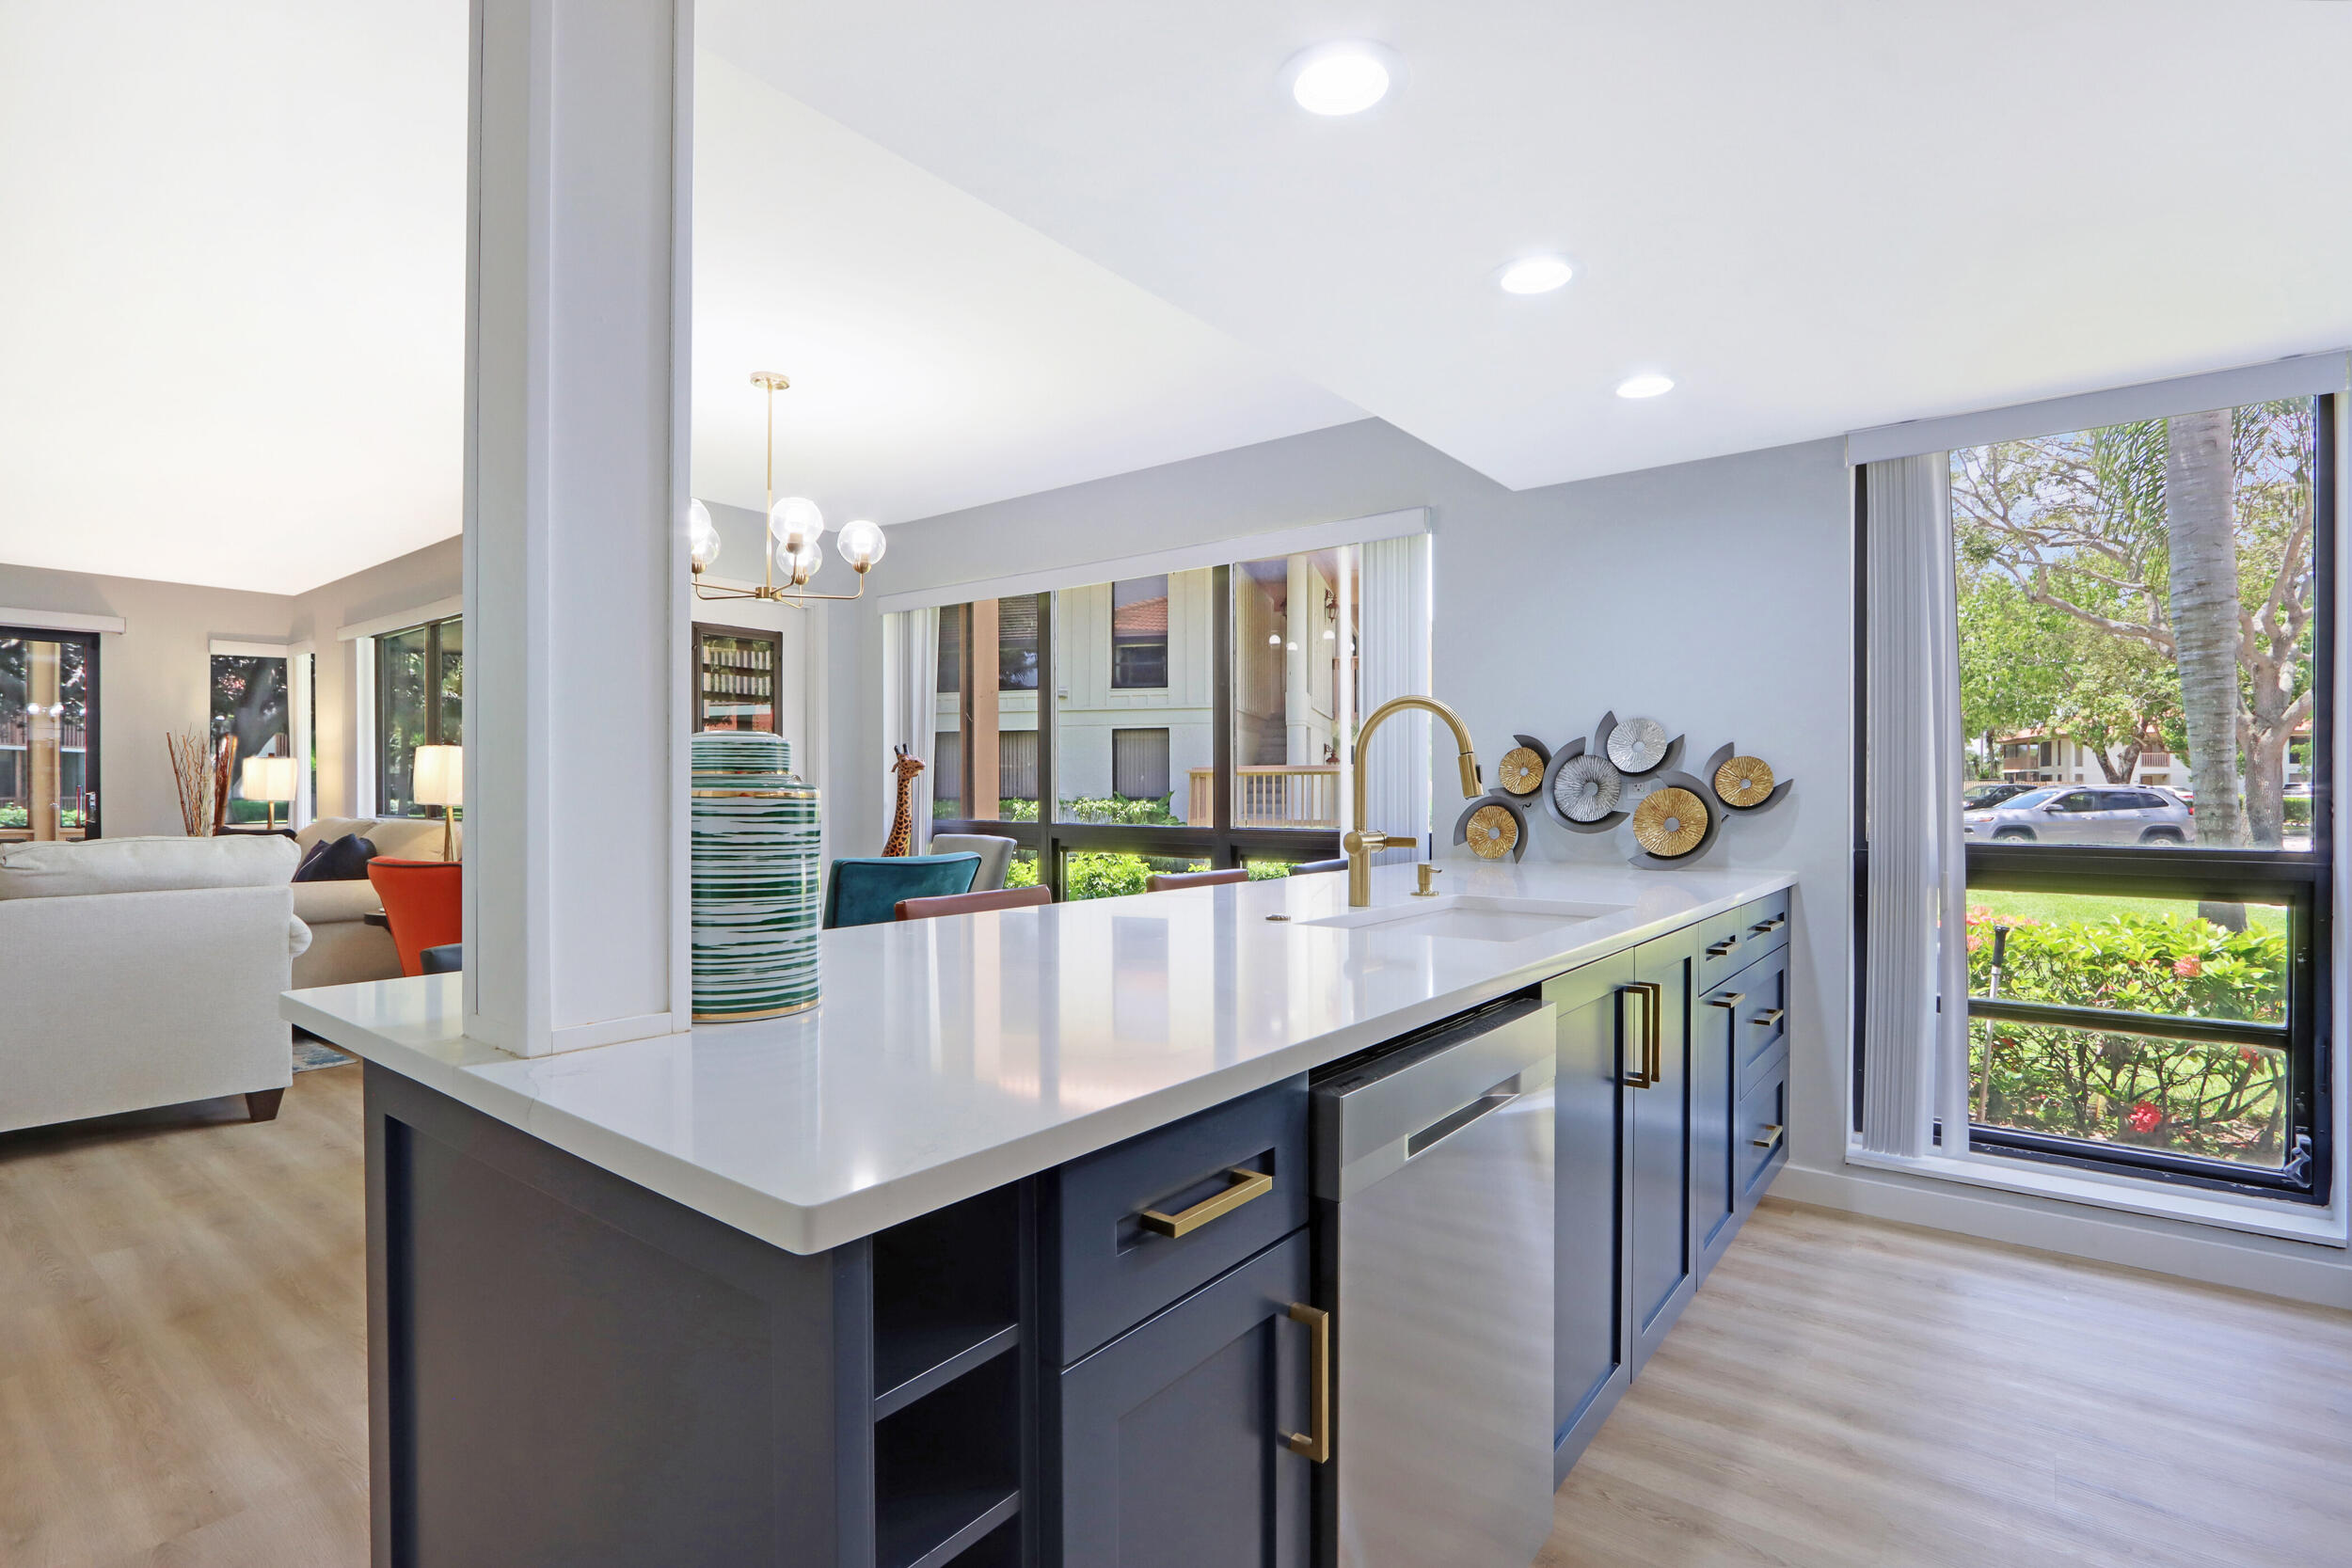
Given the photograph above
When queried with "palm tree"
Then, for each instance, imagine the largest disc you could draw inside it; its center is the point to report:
(2203, 536)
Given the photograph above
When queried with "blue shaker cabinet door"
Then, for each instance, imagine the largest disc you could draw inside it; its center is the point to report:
(1600, 1017)
(1173, 1434)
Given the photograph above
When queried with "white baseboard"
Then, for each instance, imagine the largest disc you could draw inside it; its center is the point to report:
(2295, 1269)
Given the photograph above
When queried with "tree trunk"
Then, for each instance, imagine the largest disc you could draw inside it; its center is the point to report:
(2204, 602)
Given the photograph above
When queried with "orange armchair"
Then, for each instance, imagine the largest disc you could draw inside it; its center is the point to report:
(421, 905)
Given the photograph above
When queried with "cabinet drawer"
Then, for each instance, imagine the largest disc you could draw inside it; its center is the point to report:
(1110, 1211)
(1731, 941)
(1758, 1001)
(1760, 1130)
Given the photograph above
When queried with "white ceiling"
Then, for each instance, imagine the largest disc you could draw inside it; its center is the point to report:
(1815, 216)
(941, 354)
(232, 286)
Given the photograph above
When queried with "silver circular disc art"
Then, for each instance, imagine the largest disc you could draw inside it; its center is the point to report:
(1637, 745)
(1587, 787)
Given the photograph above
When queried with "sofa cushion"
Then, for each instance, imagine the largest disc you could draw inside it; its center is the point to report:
(412, 838)
(342, 859)
(332, 903)
(67, 870)
(325, 829)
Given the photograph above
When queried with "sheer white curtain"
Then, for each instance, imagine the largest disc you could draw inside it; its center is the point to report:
(1393, 662)
(911, 681)
(1918, 868)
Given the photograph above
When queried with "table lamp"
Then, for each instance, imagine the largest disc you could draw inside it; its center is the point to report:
(439, 779)
(269, 779)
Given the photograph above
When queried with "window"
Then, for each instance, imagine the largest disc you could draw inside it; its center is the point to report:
(1139, 634)
(1139, 764)
(2145, 621)
(1166, 730)
(48, 734)
(419, 700)
(250, 703)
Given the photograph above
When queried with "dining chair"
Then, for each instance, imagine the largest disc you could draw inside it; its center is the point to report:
(1161, 882)
(864, 889)
(995, 855)
(974, 903)
(423, 905)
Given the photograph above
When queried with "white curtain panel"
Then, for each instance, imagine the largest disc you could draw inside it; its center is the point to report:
(1913, 1054)
(911, 678)
(1393, 662)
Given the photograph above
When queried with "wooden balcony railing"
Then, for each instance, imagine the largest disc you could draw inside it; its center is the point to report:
(1305, 795)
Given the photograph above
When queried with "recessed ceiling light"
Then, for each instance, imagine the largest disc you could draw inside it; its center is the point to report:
(1644, 386)
(1339, 78)
(1536, 275)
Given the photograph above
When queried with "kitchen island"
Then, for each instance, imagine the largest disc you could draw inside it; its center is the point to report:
(867, 1285)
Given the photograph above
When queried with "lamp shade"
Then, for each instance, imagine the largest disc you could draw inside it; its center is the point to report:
(268, 779)
(438, 778)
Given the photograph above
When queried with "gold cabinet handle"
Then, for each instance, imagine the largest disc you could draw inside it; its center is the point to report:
(1770, 1017)
(1773, 925)
(1719, 949)
(1774, 1133)
(1728, 999)
(1248, 1186)
(1639, 1076)
(1653, 998)
(1315, 1442)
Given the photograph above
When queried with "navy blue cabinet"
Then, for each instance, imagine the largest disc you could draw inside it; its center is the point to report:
(1657, 1134)
(1599, 1014)
(1174, 1436)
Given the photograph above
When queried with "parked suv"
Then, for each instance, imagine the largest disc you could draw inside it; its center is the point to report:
(2077, 814)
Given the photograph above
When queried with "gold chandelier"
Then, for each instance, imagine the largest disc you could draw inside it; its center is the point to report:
(794, 527)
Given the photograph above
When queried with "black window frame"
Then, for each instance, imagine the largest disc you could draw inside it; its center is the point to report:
(431, 713)
(2301, 880)
(1219, 842)
(94, 709)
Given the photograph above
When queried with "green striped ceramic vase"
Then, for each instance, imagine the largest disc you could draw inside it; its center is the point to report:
(758, 878)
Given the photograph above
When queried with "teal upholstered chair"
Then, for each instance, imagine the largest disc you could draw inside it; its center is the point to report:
(866, 891)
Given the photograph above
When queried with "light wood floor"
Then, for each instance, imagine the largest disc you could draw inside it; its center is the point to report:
(183, 1382)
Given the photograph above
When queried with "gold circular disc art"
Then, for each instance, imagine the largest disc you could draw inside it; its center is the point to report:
(1522, 770)
(1668, 822)
(1743, 782)
(1493, 833)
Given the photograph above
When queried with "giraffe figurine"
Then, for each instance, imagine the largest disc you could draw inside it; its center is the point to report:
(902, 825)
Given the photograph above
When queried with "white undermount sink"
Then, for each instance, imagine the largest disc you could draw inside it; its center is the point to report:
(1466, 917)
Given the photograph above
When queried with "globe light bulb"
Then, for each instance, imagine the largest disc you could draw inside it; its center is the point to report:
(702, 535)
(794, 521)
(799, 565)
(861, 544)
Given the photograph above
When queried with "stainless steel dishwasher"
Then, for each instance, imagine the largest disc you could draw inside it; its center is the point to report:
(1435, 1160)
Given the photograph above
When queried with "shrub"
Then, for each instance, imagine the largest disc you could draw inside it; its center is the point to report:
(1021, 871)
(2219, 1099)
(1085, 874)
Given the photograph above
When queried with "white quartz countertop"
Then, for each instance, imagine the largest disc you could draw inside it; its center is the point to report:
(950, 1057)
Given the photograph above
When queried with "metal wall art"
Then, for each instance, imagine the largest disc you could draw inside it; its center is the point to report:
(1624, 779)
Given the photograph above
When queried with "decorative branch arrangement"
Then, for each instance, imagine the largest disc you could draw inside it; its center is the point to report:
(1627, 774)
(191, 753)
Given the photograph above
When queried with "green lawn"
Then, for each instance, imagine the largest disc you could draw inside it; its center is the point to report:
(2047, 907)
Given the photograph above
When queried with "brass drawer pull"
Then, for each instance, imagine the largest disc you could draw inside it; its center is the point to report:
(1315, 1442)
(1728, 999)
(1248, 1185)
(1773, 925)
(1719, 949)
(1770, 1018)
(1774, 1133)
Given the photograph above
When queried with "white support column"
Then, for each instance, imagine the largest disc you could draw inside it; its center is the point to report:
(576, 583)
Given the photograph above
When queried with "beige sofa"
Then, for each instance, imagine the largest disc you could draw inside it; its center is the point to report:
(344, 948)
(144, 971)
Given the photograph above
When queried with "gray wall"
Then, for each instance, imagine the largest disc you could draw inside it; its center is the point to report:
(155, 676)
(1713, 595)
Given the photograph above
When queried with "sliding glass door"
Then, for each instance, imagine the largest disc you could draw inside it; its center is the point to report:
(1167, 722)
(48, 734)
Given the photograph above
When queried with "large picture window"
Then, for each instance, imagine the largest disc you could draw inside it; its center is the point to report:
(419, 700)
(2145, 624)
(250, 703)
(1171, 723)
